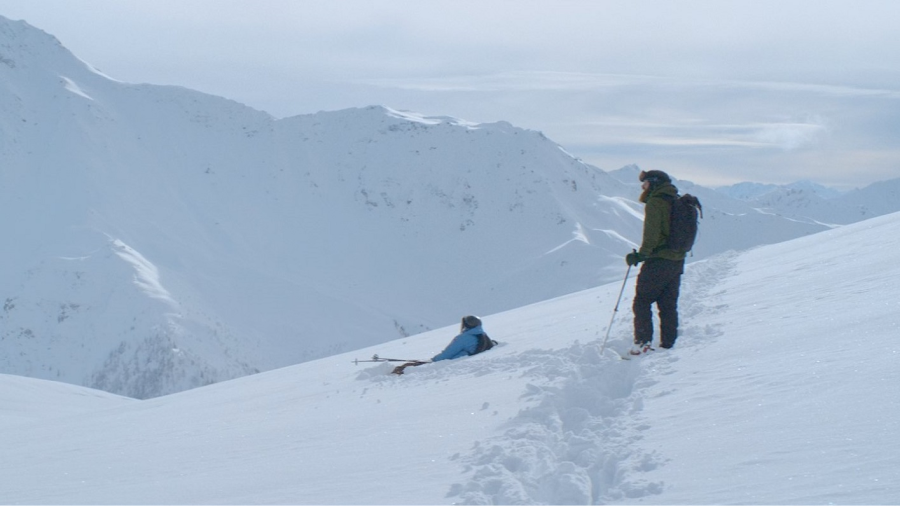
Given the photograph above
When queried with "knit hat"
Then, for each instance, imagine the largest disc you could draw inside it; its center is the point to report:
(654, 177)
(469, 322)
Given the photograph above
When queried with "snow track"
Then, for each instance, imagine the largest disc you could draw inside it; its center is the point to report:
(568, 447)
(575, 445)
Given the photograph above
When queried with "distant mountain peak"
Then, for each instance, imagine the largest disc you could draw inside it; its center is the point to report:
(20, 41)
(24, 47)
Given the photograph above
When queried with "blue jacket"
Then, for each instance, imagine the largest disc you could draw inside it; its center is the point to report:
(462, 345)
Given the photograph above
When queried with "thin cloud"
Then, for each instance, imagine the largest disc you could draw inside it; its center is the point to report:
(786, 136)
(513, 81)
(789, 136)
(581, 81)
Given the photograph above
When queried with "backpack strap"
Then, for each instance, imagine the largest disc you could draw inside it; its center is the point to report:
(694, 201)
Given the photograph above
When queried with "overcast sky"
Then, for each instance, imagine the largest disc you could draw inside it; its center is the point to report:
(711, 91)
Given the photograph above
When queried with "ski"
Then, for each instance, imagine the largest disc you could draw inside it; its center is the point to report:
(400, 368)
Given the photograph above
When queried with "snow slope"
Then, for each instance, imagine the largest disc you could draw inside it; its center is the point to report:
(25, 400)
(780, 390)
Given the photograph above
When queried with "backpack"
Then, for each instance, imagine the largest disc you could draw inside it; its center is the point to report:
(484, 343)
(683, 222)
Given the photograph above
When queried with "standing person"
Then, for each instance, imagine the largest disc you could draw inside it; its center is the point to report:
(660, 278)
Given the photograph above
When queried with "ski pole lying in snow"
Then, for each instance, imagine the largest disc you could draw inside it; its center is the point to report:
(615, 310)
(376, 358)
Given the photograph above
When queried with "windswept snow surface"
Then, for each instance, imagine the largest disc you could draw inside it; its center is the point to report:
(782, 389)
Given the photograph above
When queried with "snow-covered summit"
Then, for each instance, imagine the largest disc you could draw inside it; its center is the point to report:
(23, 45)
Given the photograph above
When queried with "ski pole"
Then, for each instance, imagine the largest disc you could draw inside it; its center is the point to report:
(615, 310)
(376, 358)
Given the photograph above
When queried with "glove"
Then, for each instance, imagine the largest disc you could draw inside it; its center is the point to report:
(634, 258)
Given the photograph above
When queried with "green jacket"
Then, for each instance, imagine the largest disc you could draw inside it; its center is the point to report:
(656, 223)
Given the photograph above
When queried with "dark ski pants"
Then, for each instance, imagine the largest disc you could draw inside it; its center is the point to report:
(658, 282)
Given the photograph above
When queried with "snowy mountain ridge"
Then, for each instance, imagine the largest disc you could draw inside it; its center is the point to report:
(751, 191)
(165, 239)
(813, 203)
